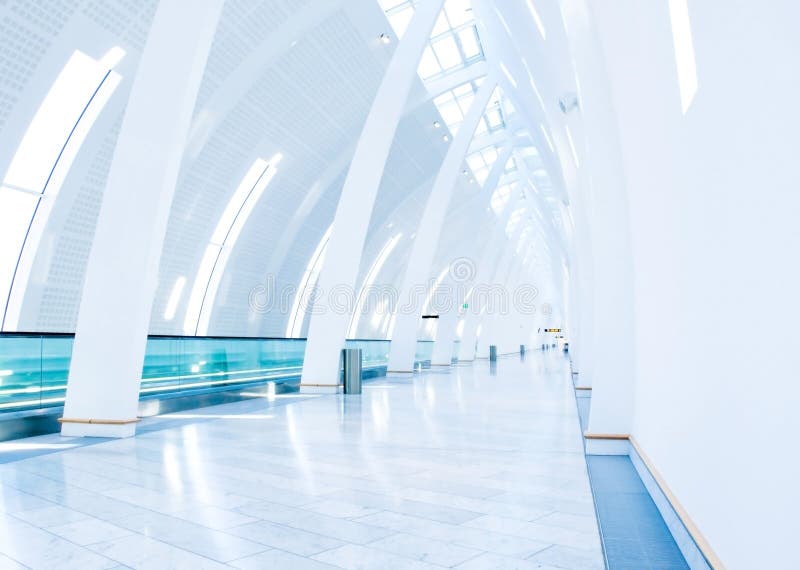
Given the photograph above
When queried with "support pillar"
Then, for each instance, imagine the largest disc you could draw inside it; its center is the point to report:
(404, 337)
(122, 270)
(328, 326)
(486, 268)
(446, 333)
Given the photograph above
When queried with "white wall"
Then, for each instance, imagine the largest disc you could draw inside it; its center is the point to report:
(713, 206)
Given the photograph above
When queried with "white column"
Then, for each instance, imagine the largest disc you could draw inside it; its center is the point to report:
(516, 328)
(501, 277)
(507, 328)
(446, 331)
(418, 269)
(486, 268)
(328, 326)
(122, 269)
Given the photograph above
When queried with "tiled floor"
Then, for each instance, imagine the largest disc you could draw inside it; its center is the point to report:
(475, 467)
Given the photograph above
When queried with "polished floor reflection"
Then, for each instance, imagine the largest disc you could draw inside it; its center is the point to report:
(472, 467)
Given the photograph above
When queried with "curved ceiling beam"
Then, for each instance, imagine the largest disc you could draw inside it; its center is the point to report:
(484, 272)
(122, 269)
(404, 336)
(501, 276)
(328, 327)
(446, 329)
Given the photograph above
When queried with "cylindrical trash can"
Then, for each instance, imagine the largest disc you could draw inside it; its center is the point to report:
(351, 358)
(522, 349)
(492, 352)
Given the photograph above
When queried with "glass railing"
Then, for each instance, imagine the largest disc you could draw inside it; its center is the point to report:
(184, 363)
(34, 367)
(374, 353)
(424, 351)
(33, 370)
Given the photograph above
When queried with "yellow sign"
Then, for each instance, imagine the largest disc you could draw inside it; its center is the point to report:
(552, 330)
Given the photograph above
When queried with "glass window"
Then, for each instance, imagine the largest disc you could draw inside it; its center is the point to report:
(454, 41)
(40, 165)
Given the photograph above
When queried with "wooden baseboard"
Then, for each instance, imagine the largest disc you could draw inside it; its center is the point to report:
(616, 436)
(95, 421)
(687, 521)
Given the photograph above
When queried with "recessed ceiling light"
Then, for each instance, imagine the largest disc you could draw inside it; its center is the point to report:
(464, 172)
(436, 124)
(445, 138)
(385, 38)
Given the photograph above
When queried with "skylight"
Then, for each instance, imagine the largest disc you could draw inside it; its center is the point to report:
(511, 165)
(374, 271)
(229, 226)
(304, 294)
(481, 161)
(547, 138)
(174, 298)
(684, 51)
(500, 198)
(524, 238)
(572, 148)
(454, 42)
(536, 18)
(41, 164)
(514, 220)
(494, 118)
(454, 104)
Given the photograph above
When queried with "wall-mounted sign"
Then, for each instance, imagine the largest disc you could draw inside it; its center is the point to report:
(552, 330)
(430, 316)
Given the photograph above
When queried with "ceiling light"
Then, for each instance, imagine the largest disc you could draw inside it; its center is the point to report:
(464, 172)
(568, 102)
(445, 138)
(436, 124)
(385, 38)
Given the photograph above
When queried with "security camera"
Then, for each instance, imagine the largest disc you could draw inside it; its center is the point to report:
(568, 102)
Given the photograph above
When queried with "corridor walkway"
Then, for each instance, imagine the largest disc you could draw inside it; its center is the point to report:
(475, 467)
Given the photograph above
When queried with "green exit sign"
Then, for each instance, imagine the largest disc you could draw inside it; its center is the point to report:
(465, 306)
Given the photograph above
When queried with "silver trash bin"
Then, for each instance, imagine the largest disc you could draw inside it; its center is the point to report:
(351, 359)
(492, 352)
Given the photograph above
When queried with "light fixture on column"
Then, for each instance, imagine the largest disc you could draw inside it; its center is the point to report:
(568, 102)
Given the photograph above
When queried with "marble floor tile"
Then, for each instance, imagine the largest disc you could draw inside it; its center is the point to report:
(145, 553)
(286, 538)
(54, 515)
(454, 468)
(89, 531)
(354, 557)
(489, 561)
(279, 559)
(425, 549)
(568, 558)
(213, 544)
(37, 548)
